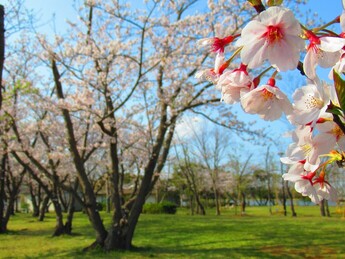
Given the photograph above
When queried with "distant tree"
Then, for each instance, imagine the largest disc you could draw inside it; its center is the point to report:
(210, 147)
(259, 187)
(192, 177)
(242, 179)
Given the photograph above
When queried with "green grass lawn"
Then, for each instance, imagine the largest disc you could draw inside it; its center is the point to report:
(255, 235)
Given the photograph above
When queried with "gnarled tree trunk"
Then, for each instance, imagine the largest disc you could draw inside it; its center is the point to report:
(43, 208)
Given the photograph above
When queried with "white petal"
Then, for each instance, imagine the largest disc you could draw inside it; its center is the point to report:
(309, 64)
(329, 59)
(331, 44)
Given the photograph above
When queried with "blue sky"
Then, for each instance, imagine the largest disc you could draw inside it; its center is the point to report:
(328, 9)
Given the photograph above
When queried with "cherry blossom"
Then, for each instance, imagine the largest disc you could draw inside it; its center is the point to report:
(303, 181)
(323, 189)
(310, 103)
(213, 74)
(235, 83)
(216, 44)
(273, 36)
(339, 67)
(323, 51)
(304, 148)
(267, 101)
(317, 112)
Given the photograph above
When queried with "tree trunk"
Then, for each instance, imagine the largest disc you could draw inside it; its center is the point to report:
(294, 214)
(89, 195)
(9, 211)
(200, 206)
(118, 235)
(35, 203)
(216, 196)
(43, 208)
(322, 208)
(59, 226)
(283, 193)
(13, 185)
(3, 224)
(191, 204)
(243, 204)
(70, 213)
(327, 209)
(71, 209)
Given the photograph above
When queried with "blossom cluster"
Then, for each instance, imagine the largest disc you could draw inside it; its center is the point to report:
(275, 41)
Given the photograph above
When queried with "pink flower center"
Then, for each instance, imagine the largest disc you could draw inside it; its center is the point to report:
(273, 34)
(309, 177)
(321, 180)
(220, 43)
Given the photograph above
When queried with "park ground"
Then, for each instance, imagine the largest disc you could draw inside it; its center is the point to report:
(254, 235)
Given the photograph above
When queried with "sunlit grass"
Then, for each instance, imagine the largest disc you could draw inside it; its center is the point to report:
(255, 235)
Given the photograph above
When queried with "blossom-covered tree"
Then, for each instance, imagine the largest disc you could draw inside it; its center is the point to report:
(132, 71)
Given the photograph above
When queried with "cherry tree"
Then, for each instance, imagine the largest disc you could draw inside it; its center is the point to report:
(132, 71)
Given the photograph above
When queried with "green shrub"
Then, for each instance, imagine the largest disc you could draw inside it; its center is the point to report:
(165, 207)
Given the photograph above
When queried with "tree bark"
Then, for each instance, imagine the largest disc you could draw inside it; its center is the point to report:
(13, 185)
(70, 213)
(191, 204)
(327, 209)
(199, 205)
(292, 206)
(89, 195)
(216, 198)
(35, 202)
(3, 224)
(243, 204)
(43, 208)
(71, 210)
(59, 226)
(322, 208)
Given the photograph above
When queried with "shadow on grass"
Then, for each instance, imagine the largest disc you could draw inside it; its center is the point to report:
(163, 252)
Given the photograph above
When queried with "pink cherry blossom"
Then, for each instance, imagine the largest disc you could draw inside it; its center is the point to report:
(235, 83)
(216, 44)
(310, 103)
(303, 149)
(329, 135)
(323, 51)
(273, 36)
(323, 189)
(303, 181)
(267, 101)
(213, 74)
